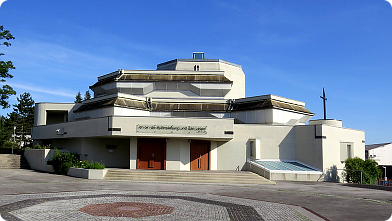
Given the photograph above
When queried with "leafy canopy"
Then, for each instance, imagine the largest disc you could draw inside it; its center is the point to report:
(5, 66)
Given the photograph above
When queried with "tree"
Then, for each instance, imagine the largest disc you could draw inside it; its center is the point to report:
(369, 168)
(5, 66)
(24, 111)
(87, 95)
(78, 98)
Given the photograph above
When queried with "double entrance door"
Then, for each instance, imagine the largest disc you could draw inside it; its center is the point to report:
(152, 154)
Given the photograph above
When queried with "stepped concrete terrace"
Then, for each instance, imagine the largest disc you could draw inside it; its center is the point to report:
(233, 177)
(13, 161)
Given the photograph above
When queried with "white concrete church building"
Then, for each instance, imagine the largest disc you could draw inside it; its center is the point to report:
(192, 114)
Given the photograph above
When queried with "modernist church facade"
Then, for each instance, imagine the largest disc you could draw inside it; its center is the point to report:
(192, 114)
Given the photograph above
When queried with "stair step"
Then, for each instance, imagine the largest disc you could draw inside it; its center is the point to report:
(187, 176)
(181, 175)
(181, 172)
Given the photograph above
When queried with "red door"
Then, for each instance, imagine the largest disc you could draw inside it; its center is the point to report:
(151, 154)
(200, 155)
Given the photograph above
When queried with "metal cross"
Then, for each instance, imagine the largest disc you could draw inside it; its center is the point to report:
(325, 104)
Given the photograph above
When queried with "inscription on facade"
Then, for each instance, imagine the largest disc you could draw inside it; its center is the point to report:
(170, 129)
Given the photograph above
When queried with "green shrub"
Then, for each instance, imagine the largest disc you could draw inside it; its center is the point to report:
(61, 162)
(63, 168)
(95, 165)
(369, 168)
(90, 165)
(41, 147)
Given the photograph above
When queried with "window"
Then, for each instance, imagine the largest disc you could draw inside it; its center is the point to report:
(348, 149)
(55, 117)
(196, 68)
(251, 148)
(198, 55)
(345, 151)
(254, 148)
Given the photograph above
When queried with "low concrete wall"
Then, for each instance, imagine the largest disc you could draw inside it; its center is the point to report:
(38, 158)
(283, 175)
(258, 170)
(296, 176)
(97, 174)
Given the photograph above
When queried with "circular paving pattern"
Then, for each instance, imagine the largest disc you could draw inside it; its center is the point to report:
(126, 209)
(126, 205)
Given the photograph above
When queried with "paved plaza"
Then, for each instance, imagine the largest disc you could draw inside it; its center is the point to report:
(31, 195)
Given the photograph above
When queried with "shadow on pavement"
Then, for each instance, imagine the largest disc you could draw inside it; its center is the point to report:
(387, 188)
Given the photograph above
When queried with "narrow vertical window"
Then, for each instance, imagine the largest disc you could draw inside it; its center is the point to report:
(251, 148)
(348, 151)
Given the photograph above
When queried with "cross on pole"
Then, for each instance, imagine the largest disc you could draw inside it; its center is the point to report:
(325, 104)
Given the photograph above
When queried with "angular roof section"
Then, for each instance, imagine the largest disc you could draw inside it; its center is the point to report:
(155, 106)
(270, 101)
(199, 78)
(195, 106)
(172, 76)
(373, 146)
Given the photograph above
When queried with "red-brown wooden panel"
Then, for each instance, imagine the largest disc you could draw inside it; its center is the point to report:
(151, 154)
(200, 155)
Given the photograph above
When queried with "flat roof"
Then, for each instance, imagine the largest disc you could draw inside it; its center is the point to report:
(198, 60)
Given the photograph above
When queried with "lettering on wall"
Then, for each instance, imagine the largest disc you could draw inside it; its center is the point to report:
(170, 129)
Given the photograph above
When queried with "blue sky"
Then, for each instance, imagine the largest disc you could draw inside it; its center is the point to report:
(287, 48)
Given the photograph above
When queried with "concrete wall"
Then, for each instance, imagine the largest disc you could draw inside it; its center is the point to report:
(271, 116)
(94, 149)
(73, 145)
(295, 176)
(95, 174)
(231, 71)
(203, 65)
(276, 142)
(41, 108)
(177, 154)
(101, 112)
(254, 116)
(334, 136)
(83, 128)
(308, 147)
(235, 74)
(120, 111)
(127, 128)
(38, 159)
(215, 127)
(383, 155)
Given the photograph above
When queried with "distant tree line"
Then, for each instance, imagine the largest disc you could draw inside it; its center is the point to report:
(79, 99)
(15, 128)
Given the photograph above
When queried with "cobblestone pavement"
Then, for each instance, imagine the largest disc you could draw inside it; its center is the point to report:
(31, 195)
(187, 206)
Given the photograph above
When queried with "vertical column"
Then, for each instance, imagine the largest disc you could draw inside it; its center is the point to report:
(132, 152)
(185, 160)
(214, 156)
